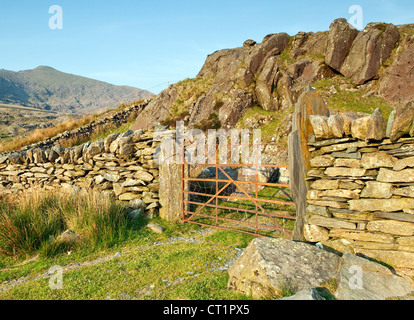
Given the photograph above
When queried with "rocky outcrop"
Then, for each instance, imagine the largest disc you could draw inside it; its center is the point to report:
(273, 73)
(340, 38)
(369, 50)
(269, 267)
(397, 84)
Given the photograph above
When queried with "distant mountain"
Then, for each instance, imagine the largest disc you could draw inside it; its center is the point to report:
(49, 89)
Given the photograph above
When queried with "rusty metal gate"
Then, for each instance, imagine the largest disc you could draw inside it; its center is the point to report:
(217, 195)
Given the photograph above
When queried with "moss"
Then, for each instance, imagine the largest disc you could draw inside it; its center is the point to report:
(189, 91)
(345, 100)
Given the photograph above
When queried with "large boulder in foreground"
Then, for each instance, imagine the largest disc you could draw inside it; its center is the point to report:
(269, 266)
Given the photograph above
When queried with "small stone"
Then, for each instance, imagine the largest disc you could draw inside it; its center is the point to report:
(404, 192)
(378, 160)
(386, 175)
(392, 227)
(388, 205)
(325, 184)
(322, 211)
(404, 163)
(377, 190)
(349, 163)
(347, 155)
(330, 223)
(359, 128)
(129, 196)
(345, 172)
(322, 161)
(321, 127)
(156, 228)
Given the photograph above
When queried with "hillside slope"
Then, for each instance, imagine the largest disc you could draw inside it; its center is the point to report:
(49, 89)
(243, 87)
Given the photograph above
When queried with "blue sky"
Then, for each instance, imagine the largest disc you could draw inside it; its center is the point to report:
(147, 44)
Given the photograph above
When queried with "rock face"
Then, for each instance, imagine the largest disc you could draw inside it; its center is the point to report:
(269, 266)
(340, 39)
(369, 50)
(397, 84)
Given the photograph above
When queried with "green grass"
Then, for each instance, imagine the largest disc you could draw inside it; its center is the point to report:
(151, 266)
(148, 268)
(176, 271)
(32, 223)
(355, 101)
(272, 129)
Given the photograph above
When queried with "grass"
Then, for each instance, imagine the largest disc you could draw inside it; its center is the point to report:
(354, 101)
(39, 135)
(269, 130)
(150, 265)
(32, 222)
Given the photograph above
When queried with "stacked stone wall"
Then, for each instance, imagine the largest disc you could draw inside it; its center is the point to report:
(361, 195)
(121, 165)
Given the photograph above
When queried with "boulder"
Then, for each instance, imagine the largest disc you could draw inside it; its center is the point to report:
(340, 38)
(361, 279)
(402, 124)
(269, 265)
(369, 50)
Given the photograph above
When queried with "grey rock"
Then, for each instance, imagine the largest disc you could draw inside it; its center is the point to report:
(361, 279)
(269, 264)
(304, 295)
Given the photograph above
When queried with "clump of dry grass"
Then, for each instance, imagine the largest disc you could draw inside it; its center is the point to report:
(32, 222)
(43, 134)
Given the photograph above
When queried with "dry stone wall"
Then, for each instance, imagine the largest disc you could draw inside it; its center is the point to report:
(361, 195)
(121, 165)
(116, 119)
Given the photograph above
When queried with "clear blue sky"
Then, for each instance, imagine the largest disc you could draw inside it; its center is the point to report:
(148, 43)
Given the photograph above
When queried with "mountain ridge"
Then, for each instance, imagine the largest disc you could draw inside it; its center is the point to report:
(47, 88)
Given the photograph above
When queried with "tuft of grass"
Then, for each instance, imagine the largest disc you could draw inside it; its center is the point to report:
(232, 238)
(32, 222)
(189, 91)
(287, 288)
